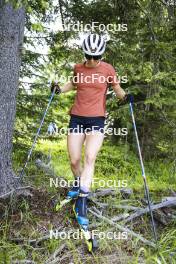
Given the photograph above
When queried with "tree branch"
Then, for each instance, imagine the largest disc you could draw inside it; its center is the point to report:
(123, 229)
(153, 207)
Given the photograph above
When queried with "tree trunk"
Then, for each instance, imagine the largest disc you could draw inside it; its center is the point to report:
(11, 38)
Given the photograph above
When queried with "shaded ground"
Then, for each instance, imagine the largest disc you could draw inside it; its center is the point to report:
(25, 231)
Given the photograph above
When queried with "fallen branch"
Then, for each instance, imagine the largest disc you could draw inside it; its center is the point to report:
(36, 242)
(119, 217)
(59, 259)
(29, 241)
(123, 229)
(6, 195)
(24, 190)
(25, 261)
(161, 217)
(118, 206)
(55, 254)
(153, 207)
(103, 192)
(96, 210)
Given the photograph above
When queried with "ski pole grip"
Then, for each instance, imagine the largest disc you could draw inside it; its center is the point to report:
(55, 88)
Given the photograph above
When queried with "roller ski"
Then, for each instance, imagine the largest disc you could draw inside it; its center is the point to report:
(80, 211)
(72, 194)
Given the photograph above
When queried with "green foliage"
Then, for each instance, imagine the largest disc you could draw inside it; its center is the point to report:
(114, 162)
(146, 55)
(10, 252)
(143, 53)
(166, 251)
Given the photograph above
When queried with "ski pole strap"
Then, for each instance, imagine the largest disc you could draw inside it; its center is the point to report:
(83, 194)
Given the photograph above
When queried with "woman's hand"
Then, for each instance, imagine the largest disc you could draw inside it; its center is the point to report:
(66, 88)
(128, 98)
(120, 93)
(55, 87)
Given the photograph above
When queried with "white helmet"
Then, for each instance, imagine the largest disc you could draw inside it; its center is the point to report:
(94, 45)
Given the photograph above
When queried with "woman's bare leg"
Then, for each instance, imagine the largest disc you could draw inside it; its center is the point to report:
(92, 146)
(74, 145)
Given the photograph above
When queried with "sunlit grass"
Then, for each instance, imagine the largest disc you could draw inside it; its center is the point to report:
(112, 163)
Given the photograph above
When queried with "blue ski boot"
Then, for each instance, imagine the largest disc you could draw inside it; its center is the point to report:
(80, 209)
(74, 192)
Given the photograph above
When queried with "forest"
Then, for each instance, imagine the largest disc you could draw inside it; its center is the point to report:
(40, 42)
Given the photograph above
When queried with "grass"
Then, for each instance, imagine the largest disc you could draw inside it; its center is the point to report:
(114, 162)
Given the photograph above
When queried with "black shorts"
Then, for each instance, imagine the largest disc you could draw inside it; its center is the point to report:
(84, 124)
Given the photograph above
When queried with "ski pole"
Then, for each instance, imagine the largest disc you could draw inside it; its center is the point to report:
(143, 169)
(36, 136)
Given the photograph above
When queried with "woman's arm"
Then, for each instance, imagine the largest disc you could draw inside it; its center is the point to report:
(67, 87)
(119, 91)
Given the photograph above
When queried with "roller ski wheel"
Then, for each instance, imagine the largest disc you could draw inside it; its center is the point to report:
(80, 211)
(92, 243)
